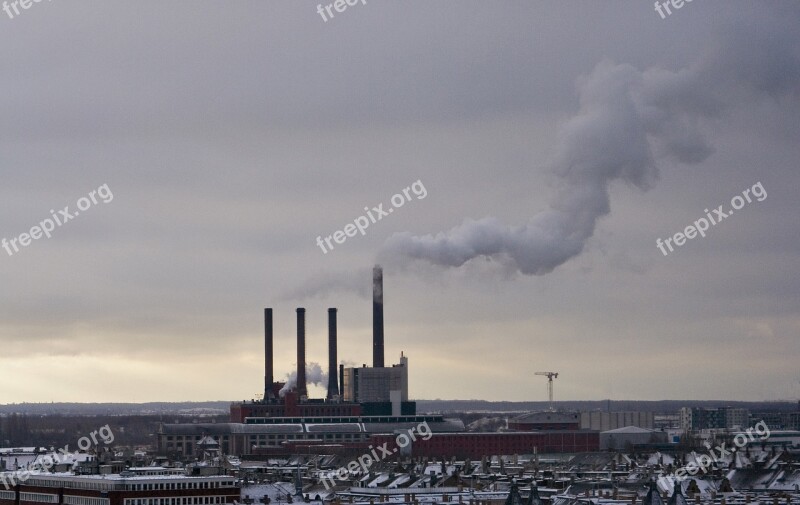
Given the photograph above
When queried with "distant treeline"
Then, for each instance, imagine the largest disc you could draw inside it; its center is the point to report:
(658, 406)
(58, 430)
(212, 408)
(93, 409)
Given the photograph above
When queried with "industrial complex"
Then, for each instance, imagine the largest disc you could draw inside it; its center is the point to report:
(363, 407)
(357, 444)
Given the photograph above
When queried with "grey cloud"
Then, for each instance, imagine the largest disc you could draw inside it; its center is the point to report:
(625, 116)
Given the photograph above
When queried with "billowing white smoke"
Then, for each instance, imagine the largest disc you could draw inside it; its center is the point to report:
(314, 375)
(627, 119)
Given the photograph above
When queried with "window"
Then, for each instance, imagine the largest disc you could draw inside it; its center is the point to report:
(42, 498)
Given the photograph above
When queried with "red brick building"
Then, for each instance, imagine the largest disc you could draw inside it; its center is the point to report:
(290, 407)
(477, 445)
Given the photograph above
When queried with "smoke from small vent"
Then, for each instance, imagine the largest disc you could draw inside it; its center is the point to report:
(314, 375)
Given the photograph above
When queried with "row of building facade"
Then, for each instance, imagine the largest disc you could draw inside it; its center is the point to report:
(729, 418)
(140, 486)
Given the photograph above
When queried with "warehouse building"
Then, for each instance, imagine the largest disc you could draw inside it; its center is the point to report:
(624, 439)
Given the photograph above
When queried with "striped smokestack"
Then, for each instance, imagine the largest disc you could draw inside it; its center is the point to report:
(333, 385)
(301, 352)
(377, 317)
(268, 371)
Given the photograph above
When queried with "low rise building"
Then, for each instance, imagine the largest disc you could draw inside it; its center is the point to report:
(545, 421)
(604, 421)
(275, 435)
(624, 439)
(719, 418)
(147, 486)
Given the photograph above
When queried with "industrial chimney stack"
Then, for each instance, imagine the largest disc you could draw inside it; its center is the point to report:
(333, 385)
(301, 352)
(377, 317)
(268, 371)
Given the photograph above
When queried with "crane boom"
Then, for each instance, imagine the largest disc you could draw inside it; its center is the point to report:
(550, 376)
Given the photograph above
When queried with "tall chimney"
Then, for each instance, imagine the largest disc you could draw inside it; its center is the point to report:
(301, 352)
(268, 371)
(341, 379)
(377, 317)
(333, 385)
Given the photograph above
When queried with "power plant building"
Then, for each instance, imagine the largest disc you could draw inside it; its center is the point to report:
(377, 384)
(363, 405)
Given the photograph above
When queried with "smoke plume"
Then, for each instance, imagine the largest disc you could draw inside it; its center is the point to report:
(322, 284)
(627, 119)
(314, 375)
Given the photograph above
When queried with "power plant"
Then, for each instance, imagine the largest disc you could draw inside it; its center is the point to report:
(363, 407)
(371, 391)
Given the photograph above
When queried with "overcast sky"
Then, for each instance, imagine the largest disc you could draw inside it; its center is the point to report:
(556, 141)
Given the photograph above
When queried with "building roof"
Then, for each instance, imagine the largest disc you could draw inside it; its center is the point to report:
(334, 428)
(677, 497)
(653, 497)
(514, 498)
(533, 498)
(217, 429)
(629, 430)
(118, 479)
(547, 417)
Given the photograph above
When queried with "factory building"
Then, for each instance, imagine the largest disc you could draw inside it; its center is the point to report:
(376, 384)
(363, 406)
(359, 401)
(624, 439)
(545, 421)
(597, 421)
(604, 421)
(281, 436)
(292, 407)
(140, 486)
(352, 392)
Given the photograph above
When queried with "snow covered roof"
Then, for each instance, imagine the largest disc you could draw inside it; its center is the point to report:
(630, 429)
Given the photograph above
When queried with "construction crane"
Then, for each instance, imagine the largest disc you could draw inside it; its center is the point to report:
(550, 376)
